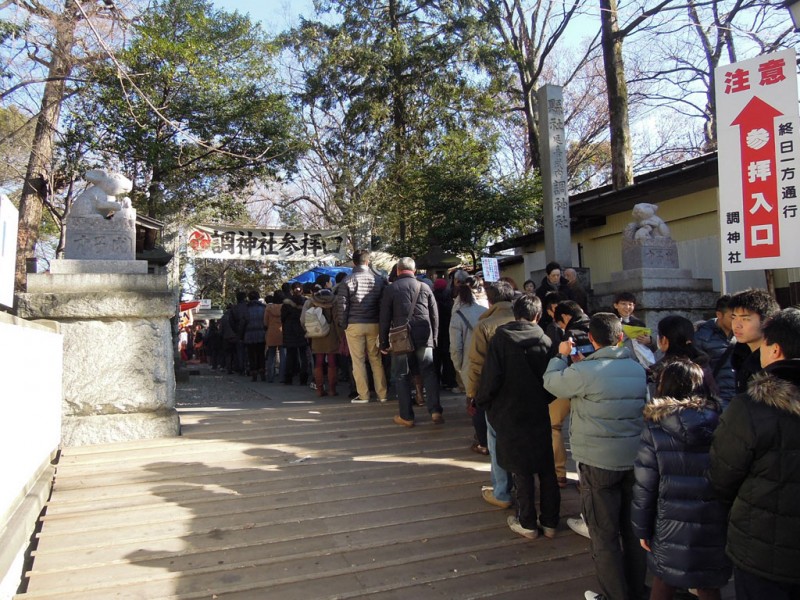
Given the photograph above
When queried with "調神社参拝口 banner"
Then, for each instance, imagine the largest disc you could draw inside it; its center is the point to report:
(267, 244)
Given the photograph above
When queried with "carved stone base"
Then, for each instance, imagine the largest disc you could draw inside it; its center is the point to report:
(96, 238)
(118, 375)
(653, 253)
(105, 429)
(660, 292)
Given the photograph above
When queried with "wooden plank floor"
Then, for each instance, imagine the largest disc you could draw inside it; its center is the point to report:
(273, 493)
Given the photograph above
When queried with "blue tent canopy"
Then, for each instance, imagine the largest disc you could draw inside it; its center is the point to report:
(311, 275)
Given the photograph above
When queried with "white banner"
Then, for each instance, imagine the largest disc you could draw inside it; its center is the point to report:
(268, 244)
(759, 163)
(491, 269)
(9, 217)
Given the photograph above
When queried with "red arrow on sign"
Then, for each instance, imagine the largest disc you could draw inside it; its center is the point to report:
(759, 183)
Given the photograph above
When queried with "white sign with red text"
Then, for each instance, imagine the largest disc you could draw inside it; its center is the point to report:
(759, 162)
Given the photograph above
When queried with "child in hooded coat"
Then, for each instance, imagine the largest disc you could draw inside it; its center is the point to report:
(675, 512)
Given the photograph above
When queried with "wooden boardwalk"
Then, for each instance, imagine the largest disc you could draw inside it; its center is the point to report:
(273, 493)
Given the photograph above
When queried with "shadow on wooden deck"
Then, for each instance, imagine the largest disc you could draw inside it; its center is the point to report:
(274, 493)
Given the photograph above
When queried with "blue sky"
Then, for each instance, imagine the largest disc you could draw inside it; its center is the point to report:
(275, 15)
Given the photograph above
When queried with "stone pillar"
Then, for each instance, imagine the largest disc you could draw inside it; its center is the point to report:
(119, 381)
(553, 151)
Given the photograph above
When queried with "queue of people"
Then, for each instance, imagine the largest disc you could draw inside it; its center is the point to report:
(685, 438)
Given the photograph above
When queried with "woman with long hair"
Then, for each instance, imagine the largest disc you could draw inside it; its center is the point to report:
(469, 304)
(676, 340)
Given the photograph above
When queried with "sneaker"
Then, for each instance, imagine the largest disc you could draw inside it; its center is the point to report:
(549, 532)
(352, 395)
(438, 419)
(579, 526)
(516, 527)
(358, 400)
(590, 595)
(398, 420)
(478, 449)
(488, 495)
(383, 400)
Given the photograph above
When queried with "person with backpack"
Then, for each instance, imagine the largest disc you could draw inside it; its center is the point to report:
(320, 328)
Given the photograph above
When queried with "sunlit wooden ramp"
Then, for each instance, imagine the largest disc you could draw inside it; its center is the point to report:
(272, 493)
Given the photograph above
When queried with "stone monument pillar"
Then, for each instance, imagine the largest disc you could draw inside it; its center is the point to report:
(118, 381)
(651, 272)
(553, 151)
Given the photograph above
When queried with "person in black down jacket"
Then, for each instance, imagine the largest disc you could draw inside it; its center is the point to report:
(755, 467)
(254, 335)
(294, 336)
(715, 338)
(675, 513)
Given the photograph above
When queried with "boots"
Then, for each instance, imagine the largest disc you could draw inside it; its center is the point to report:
(319, 379)
(332, 378)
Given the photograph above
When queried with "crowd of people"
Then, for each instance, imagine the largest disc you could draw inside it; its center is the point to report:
(686, 439)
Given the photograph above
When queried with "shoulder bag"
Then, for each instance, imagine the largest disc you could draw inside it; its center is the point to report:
(400, 341)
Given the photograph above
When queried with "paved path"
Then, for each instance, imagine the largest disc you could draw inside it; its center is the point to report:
(274, 493)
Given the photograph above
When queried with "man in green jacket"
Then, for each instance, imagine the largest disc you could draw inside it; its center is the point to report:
(607, 391)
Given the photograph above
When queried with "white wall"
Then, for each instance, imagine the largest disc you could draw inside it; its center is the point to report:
(31, 361)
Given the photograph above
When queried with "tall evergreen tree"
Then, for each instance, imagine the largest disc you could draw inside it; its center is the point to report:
(192, 111)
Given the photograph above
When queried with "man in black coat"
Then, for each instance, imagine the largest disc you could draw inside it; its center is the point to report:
(513, 395)
(755, 467)
(408, 301)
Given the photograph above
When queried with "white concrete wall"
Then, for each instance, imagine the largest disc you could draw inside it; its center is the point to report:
(30, 431)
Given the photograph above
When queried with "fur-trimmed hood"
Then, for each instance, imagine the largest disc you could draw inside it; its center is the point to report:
(291, 302)
(323, 299)
(778, 386)
(691, 420)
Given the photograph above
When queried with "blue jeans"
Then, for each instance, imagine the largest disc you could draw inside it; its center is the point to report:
(402, 364)
(501, 479)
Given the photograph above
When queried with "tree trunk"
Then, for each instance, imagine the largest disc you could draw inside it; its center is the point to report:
(36, 186)
(399, 120)
(532, 125)
(617, 90)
